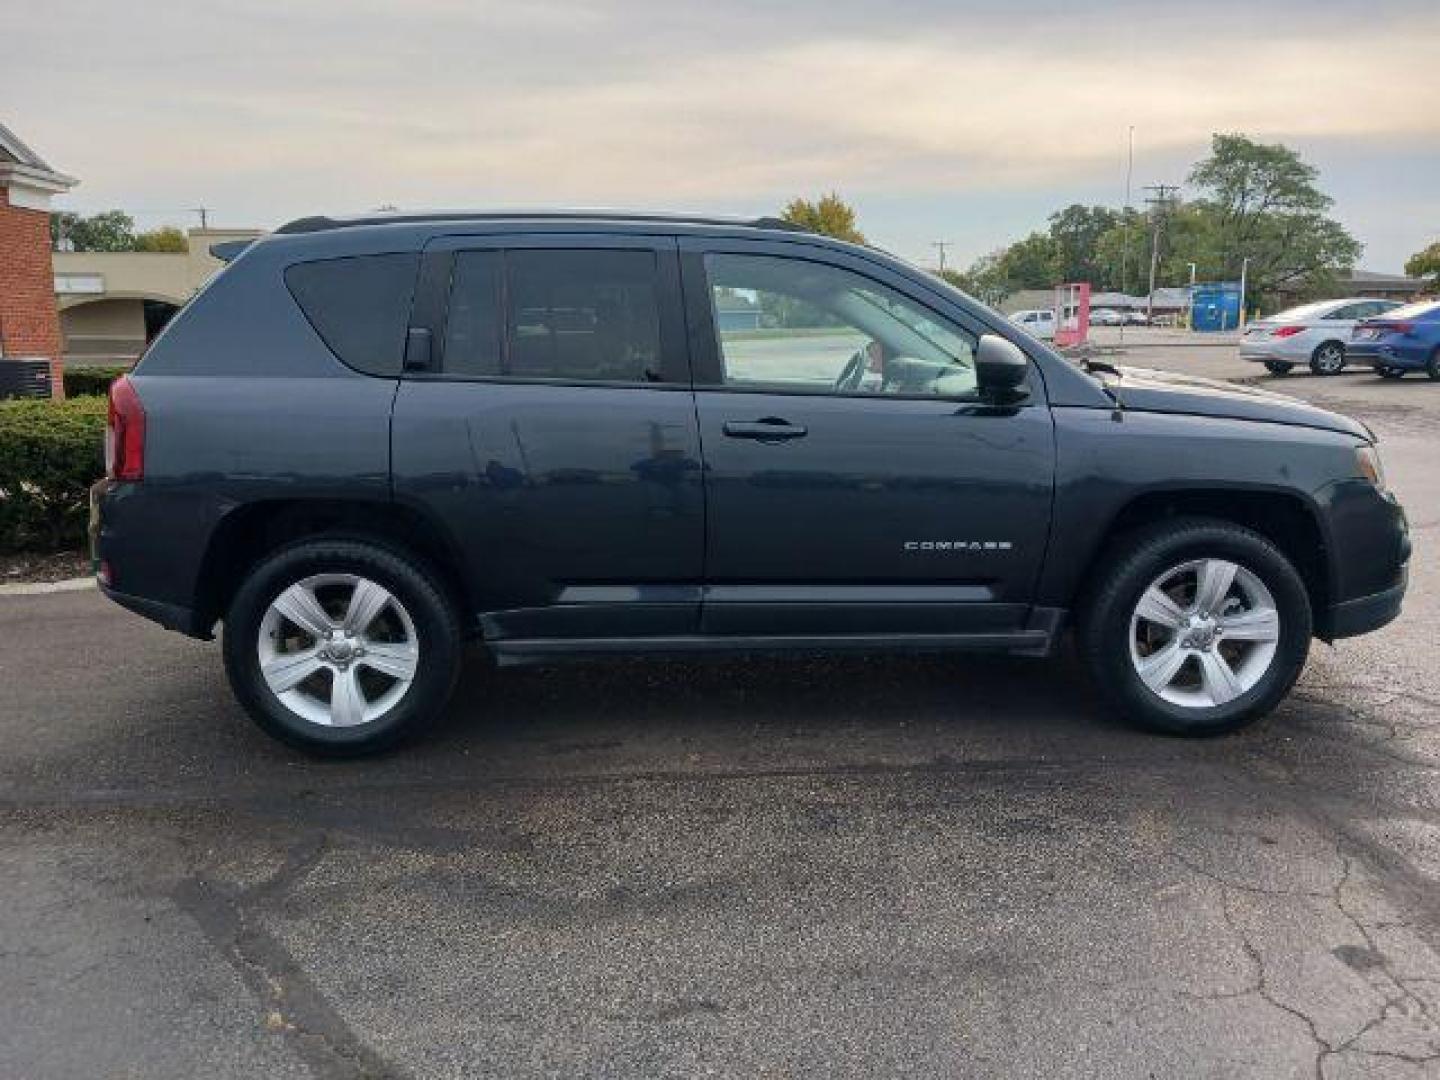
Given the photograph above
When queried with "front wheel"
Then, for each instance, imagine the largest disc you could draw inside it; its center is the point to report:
(1328, 358)
(341, 647)
(1386, 372)
(1198, 627)
(1276, 367)
(1432, 366)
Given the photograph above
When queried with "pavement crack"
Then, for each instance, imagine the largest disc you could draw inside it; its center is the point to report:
(290, 1002)
(1261, 986)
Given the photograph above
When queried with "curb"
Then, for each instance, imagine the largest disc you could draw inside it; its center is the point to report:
(45, 588)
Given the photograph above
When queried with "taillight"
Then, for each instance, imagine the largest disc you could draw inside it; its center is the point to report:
(125, 433)
(1286, 331)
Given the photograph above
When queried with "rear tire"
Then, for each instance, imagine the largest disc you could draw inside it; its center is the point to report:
(1328, 358)
(1432, 366)
(341, 647)
(1276, 367)
(1234, 673)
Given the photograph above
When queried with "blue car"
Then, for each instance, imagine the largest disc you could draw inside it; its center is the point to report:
(1405, 339)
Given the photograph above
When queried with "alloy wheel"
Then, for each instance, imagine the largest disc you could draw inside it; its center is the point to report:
(1329, 359)
(1204, 633)
(338, 650)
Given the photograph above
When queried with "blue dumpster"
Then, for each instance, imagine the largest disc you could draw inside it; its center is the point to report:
(1215, 307)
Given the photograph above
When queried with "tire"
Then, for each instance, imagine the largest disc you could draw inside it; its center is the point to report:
(1432, 366)
(1390, 372)
(1328, 358)
(1278, 367)
(1111, 628)
(400, 665)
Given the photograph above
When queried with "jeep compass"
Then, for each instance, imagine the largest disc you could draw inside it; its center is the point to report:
(370, 441)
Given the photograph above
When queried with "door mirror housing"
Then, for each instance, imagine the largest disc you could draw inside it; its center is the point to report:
(1000, 369)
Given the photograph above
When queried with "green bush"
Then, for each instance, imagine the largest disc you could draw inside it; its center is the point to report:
(83, 381)
(50, 454)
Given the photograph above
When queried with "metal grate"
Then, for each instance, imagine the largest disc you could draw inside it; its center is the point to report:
(24, 378)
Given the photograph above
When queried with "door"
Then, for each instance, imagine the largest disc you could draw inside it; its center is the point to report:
(854, 480)
(550, 431)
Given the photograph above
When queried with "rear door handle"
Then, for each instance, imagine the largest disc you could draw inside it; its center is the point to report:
(768, 429)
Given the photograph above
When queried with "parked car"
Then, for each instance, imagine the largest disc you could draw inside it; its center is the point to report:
(1403, 339)
(1313, 334)
(370, 441)
(1105, 317)
(1136, 318)
(1039, 323)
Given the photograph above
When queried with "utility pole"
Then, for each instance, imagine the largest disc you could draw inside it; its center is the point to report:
(204, 212)
(1160, 203)
(941, 245)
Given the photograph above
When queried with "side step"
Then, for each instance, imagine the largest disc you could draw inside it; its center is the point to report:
(516, 651)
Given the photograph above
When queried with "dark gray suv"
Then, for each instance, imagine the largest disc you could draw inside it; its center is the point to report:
(371, 440)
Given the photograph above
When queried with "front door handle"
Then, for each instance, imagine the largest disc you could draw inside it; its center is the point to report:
(768, 429)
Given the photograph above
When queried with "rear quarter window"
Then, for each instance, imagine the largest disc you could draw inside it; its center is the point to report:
(359, 305)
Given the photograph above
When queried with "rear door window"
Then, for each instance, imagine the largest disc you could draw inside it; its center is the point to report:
(360, 306)
(584, 315)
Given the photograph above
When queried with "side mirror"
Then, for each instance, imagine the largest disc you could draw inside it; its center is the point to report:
(1000, 368)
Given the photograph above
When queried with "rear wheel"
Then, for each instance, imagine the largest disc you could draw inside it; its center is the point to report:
(1328, 358)
(341, 647)
(1197, 627)
(1432, 366)
(1277, 367)
(1386, 372)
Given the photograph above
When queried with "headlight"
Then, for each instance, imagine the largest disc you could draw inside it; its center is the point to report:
(1367, 458)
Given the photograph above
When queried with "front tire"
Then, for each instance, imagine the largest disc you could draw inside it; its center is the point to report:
(1277, 367)
(1432, 366)
(1386, 372)
(1196, 627)
(341, 647)
(1328, 358)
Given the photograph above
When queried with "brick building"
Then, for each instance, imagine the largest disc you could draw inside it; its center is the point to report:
(29, 322)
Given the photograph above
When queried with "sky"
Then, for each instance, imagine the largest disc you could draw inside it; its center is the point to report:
(939, 120)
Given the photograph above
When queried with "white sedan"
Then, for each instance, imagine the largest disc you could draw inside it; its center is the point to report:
(1313, 334)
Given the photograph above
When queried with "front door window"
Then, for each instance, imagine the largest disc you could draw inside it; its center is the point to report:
(789, 325)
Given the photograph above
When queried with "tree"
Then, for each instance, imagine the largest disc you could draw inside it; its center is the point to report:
(167, 238)
(1426, 264)
(109, 230)
(829, 215)
(1074, 232)
(984, 280)
(1261, 204)
(1032, 263)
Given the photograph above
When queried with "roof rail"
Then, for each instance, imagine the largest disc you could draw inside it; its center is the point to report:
(324, 223)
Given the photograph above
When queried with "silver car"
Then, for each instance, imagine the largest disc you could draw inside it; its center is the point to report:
(1313, 334)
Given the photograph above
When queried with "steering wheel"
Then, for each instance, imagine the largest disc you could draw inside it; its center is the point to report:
(854, 370)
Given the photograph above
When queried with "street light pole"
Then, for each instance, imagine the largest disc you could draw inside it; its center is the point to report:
(1190, 301)
(1244, 269)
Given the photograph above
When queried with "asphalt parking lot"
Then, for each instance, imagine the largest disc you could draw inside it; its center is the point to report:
(868, 866)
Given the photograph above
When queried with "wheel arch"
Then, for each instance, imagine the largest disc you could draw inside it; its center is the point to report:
(1284, 518)
(248, 533)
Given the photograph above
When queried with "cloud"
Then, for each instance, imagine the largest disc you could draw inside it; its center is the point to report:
(305, 106)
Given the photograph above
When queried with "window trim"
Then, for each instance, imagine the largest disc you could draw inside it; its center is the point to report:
(438, 276)
(705, 350)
